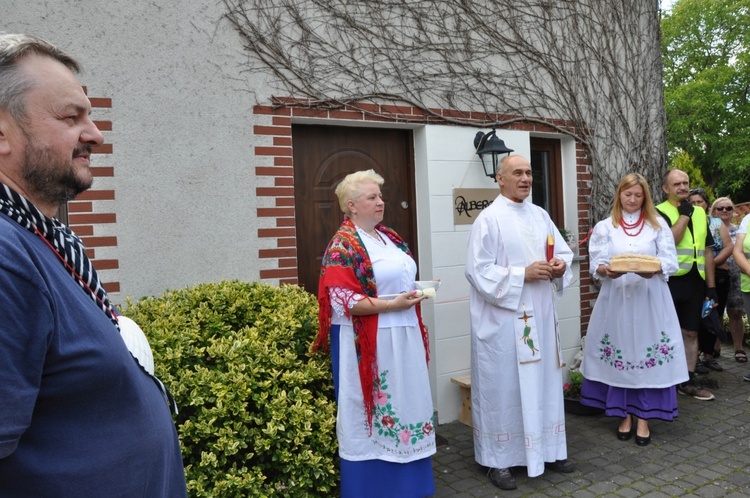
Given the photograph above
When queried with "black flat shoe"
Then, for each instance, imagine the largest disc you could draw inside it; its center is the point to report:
(625, 436)
(565, 466)
(642, 441)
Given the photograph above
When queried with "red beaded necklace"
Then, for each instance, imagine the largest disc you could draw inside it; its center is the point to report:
(627, 226)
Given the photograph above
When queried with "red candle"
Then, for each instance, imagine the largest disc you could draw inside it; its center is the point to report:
(550, 247)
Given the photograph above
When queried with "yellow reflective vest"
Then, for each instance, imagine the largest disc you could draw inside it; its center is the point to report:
(692, 248)
(745, 278)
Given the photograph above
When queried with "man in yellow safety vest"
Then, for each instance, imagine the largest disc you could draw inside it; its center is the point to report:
(694, 281)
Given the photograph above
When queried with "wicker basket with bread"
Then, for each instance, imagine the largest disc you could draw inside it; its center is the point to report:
(636, 263)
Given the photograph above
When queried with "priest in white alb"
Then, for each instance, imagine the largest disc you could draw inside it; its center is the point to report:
(516, 262)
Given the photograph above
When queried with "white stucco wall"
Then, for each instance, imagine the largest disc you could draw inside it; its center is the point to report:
(181, 113)
(445, 159)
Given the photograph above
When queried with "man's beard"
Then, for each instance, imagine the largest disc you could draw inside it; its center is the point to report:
(51, 179)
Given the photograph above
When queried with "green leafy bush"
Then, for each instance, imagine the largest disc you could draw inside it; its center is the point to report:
(256, 412)
(572, 388)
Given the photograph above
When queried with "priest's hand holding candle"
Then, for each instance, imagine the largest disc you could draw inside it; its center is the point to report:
(558, 265)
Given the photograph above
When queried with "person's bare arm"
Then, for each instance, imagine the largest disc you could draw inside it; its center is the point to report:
(399, 303)
(679, 228)
(739, 254)
(727, 247)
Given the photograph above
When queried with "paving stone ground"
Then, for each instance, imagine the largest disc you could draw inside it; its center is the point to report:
(705, 452)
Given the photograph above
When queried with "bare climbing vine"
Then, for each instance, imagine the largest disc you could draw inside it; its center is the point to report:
(589, 68)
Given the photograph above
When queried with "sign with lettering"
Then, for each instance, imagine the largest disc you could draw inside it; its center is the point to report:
(469, 202)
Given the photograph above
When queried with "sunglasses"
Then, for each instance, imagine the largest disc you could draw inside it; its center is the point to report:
(724, 208)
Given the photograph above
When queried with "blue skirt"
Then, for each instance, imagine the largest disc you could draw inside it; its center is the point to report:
(379, 478)
(644, 403)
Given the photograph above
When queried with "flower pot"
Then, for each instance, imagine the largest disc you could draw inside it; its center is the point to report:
(574, 406)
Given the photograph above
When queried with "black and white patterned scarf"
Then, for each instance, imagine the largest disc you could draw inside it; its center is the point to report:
(71, 252)
(65, 243)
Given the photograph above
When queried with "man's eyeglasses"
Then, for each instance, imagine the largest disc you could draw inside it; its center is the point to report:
(724, 208)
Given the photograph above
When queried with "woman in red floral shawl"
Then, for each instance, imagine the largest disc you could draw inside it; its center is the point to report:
(379, 350)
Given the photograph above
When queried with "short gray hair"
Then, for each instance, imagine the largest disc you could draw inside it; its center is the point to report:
(13, 84)
(350, 187)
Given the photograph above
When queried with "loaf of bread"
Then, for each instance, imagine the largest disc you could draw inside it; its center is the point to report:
(637, 263)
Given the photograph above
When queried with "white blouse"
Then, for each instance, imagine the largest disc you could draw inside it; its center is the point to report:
(394, 272)
(608, 241)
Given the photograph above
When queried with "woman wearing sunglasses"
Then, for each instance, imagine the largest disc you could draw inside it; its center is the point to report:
(708, 343)
(728, 289)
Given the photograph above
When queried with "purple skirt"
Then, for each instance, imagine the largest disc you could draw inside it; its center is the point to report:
(645, 403)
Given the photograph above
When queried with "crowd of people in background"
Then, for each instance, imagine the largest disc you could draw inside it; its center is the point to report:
(724, 223)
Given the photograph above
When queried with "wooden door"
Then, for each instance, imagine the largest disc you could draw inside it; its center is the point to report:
(323, 156)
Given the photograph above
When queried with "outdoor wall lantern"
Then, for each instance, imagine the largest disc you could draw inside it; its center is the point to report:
(488, 144)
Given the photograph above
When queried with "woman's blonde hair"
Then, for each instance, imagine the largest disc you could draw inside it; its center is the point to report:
(350, 188)
(718, 200)
(649, 211)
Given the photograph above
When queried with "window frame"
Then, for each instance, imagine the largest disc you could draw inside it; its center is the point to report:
(553, 180)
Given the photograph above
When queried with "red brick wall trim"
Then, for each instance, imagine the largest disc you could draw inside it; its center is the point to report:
(100, 102)
(583, 181)
(102, 171)
(275, 172)
(99, 241)
(82, 231)
(89, 212)
(290, 273)
(107, 264)
(96, 195)
(112, 287)
(102, 149)
(81, 219)
(79, 207)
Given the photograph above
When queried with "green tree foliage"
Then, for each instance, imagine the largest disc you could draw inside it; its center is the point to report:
(257, 417)
(706, 53)
(684, 161)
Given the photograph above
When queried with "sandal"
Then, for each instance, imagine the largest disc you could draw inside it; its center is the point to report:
(740, 356)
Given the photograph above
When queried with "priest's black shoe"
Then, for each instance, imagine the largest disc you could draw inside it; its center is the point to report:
(565, 466)
(502, 478)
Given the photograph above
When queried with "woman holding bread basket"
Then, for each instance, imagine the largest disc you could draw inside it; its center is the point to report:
(634, 355)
